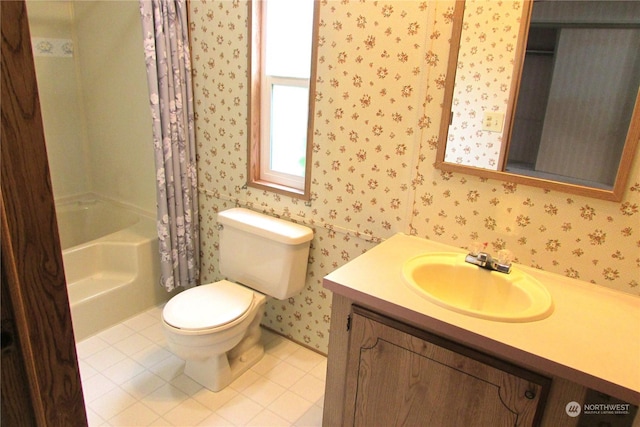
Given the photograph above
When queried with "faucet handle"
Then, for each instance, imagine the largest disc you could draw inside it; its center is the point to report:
(505, 256)
(476, 247)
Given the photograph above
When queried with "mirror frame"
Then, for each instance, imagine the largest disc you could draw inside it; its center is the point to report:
(627, 156)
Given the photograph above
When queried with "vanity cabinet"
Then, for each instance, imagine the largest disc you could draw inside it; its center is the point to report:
(401, 359)
(382, 372)
(401, 375)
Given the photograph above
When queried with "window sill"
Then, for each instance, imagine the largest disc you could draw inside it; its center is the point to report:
(280, 189)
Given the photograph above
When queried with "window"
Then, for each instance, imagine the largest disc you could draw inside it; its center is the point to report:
(282, 73)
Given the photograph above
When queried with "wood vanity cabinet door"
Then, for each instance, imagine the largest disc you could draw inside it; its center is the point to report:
(397, 375)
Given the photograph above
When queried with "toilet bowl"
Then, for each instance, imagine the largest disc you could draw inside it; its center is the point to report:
(215, 327)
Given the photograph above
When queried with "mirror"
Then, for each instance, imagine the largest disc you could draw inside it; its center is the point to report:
(544, 93)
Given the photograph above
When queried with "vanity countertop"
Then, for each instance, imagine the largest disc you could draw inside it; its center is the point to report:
(592, 337)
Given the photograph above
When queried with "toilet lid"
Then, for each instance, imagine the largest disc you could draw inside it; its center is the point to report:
(207, 306)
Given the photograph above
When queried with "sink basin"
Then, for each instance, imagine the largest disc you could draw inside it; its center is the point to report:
(446, 279)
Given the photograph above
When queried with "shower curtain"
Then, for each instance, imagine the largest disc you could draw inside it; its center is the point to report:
(167, 57)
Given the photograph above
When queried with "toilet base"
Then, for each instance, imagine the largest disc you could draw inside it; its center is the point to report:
(242, 363)
(218, 371)
(215, 373)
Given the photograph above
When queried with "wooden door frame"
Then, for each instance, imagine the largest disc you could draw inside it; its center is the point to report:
(40, 333)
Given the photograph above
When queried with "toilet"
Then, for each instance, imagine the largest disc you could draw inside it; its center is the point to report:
(215, 327)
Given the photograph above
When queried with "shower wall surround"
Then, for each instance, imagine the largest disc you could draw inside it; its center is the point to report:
(381, 68)
(93, 92)
(59, 88)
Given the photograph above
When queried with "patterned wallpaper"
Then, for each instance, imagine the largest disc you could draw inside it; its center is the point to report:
(483, 80)
(381, 72)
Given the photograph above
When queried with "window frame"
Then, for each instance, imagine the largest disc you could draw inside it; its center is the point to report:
(257, 175)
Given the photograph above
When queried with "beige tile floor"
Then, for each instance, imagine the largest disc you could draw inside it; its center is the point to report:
(130, 378)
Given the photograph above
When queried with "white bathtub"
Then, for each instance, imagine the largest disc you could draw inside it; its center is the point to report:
(110, 259)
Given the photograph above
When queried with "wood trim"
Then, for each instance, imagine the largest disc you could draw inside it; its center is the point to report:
(450, 80)
(521, 50)
(311, 128)
(539, 182)
(31, 254)
(253, 97)
(628, 152)
(17, 405)
(256, 9)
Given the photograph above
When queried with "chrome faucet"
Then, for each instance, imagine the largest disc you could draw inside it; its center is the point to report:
(484, 260)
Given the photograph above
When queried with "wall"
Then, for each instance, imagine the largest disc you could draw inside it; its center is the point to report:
(95, 102)
(381, 70)
(115, 99)
(51, 23)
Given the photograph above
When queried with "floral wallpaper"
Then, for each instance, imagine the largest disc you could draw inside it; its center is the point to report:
(381, 73)
(483, 80)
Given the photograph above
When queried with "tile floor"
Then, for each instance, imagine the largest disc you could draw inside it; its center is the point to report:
(130, 378)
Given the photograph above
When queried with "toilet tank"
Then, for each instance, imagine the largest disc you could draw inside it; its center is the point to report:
(267, 254)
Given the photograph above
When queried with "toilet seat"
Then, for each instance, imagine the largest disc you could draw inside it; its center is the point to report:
(211, 307)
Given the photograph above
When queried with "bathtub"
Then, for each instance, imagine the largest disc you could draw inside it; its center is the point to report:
(110, 256)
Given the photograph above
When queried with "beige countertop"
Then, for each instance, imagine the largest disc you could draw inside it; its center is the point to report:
(592, 337)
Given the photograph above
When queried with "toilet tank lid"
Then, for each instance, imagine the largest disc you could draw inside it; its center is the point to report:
(263, 225)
